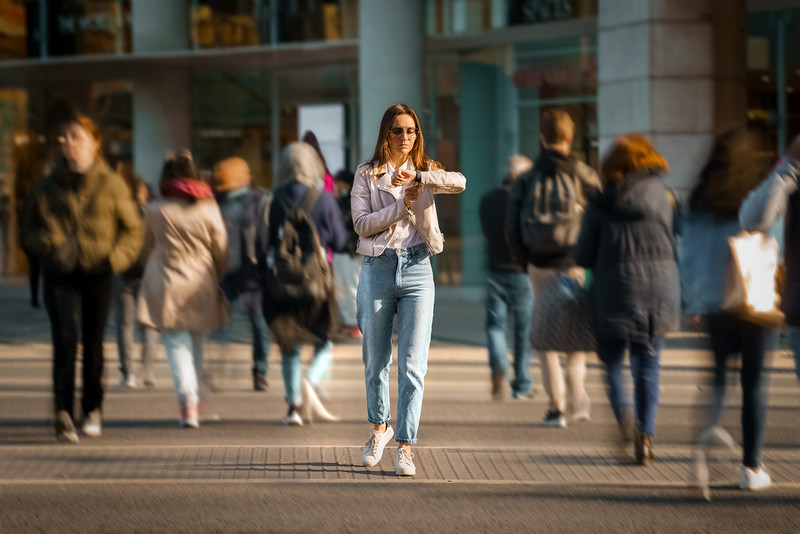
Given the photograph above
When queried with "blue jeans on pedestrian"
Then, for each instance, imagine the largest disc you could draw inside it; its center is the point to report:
(262, 337)
(290, 366)
(645, 367)
(399, 281)
(794, 344)
(510, 292)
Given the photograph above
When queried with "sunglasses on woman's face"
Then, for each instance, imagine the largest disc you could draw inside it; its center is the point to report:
(398, 132)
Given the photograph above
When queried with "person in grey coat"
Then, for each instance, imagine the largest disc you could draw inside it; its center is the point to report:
(627, 240)
(776, 197)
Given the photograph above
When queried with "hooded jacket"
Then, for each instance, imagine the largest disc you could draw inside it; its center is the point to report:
(627, 239)
(95, 210)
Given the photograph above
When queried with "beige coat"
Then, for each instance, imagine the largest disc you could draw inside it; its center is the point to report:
(180, 288)
(377, 207)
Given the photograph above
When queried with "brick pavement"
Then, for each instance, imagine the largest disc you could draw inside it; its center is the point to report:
(497, 444)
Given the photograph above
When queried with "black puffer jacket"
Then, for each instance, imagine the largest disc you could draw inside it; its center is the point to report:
(627, 239)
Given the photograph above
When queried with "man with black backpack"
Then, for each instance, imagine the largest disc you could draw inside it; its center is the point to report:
(299, 300)
(245, 210)
(543, 221)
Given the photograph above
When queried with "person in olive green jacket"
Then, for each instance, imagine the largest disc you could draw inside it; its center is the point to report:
(82, 222)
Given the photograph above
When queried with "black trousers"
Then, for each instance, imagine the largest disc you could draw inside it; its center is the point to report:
(77, 301)
(731, 336)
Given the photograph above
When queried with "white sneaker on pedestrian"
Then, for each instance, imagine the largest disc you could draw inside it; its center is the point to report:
(404, 463)
(554, 419)
(92, 424)
(754, 481)
(128, 381)
(293, 418)
(373, 450)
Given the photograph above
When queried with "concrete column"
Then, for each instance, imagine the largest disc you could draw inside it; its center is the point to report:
(675, 71)
(160, 26)
(161, 112)
(391, 35)
(161, 118)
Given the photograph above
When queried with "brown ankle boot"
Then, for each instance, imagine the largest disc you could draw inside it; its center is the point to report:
(644, 449)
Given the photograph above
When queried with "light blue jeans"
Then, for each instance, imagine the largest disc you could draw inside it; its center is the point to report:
(794, 344)
(399, 281)
(290, 366)
(185, 355)
(510, 292)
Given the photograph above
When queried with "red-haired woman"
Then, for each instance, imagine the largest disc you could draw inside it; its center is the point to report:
(627, 240)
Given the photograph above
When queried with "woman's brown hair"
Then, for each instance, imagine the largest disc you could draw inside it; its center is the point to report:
(738, 162)
(630, 153)
(417, 156)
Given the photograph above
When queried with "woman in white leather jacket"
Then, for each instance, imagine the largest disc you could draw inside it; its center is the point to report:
(395, 217)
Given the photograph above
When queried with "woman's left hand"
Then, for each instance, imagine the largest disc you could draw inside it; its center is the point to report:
(402, 176)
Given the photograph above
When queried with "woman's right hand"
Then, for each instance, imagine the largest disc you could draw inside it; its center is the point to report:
(411, 194)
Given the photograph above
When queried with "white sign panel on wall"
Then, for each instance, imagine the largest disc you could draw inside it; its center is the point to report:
(327, 121)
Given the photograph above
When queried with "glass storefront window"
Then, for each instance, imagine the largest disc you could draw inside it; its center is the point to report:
(81, 27)
(225, 23)
(254, 114)
(13, 29)
(485, 106)
(448, 17)
(773, 75)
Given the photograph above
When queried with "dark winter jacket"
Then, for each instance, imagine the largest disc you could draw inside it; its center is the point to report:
(627, 240)
(548, 163)
(246, 215)
(493, 205)
(778, 196)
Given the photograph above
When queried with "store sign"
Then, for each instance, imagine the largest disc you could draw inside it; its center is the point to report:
(80, 23)
(534, 11)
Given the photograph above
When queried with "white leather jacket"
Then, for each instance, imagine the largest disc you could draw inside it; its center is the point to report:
(377, 207)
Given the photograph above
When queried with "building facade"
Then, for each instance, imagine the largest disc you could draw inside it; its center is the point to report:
(246, 77)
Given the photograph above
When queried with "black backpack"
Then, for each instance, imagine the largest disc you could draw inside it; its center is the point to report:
(551, 213)
(299, 302)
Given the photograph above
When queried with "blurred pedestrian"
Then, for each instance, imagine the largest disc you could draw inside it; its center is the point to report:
(327, 178)
(774, 198)
(395, 216)
(5, 227)
(245, 210)
(543, 220)
(126, 290)
(508, 289)
(180, 293)
(82, 222)
(347, 264)
(627, 240)
(294, 249)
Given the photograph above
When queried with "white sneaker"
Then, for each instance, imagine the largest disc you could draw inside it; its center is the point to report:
(404, 464)
(293, 418)
(92, 424)
(373, 450)
(754, 481)
(128, 381)
(554, 419)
